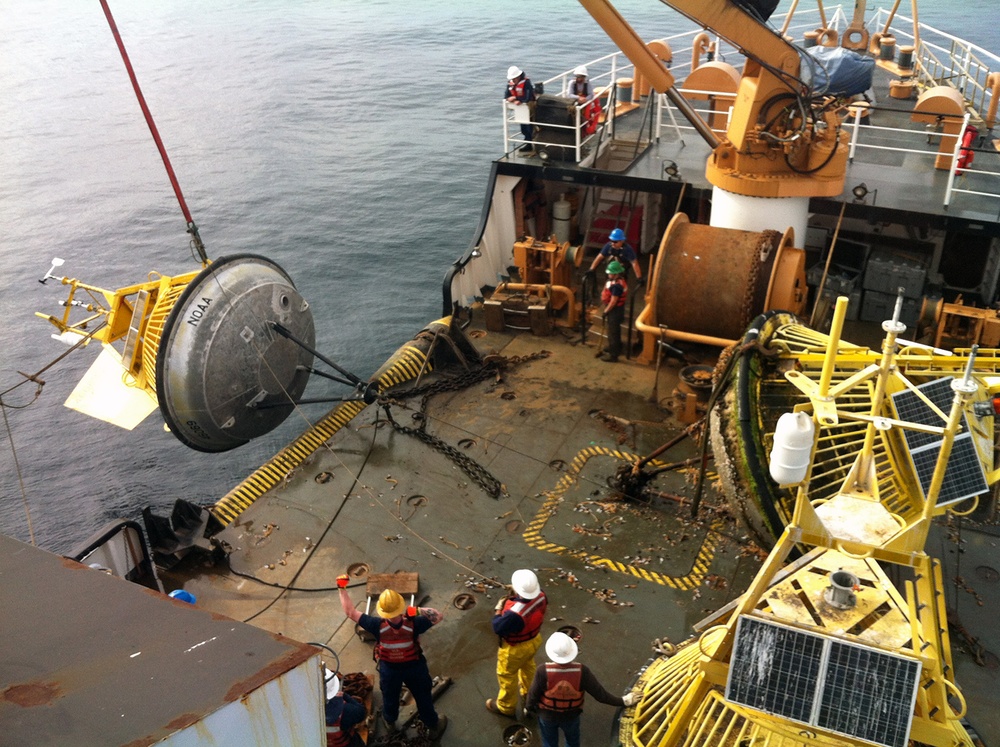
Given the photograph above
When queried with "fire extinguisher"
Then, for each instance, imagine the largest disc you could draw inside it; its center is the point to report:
(965, 154)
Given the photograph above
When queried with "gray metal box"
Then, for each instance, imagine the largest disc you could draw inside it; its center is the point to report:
(878, 307)
(888, 271)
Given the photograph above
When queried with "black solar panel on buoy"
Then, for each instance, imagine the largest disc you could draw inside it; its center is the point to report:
(849, 689)
(964, 476)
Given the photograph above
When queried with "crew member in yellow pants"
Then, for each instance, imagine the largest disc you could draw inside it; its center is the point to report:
(518, 622)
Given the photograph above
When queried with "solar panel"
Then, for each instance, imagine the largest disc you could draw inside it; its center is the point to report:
(845, 688)
(774, 669)
(963, 477)
(868, 694)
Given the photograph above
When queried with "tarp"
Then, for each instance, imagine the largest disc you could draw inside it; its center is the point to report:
(761, 9)
(836, 71)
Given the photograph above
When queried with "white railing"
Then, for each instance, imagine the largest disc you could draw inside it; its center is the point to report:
(940, 58)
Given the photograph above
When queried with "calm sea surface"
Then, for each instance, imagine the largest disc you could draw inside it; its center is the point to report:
(348, 140)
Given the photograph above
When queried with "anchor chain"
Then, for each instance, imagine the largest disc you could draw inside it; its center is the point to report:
(492, 365)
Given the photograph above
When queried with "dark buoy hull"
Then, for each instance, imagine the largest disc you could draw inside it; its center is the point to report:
(219, 359)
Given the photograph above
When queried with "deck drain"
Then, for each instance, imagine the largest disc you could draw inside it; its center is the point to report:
(357, 570)
(476, 334)
(323, 477)
(416, 500)
(572, 631)
(514, 526)
(467, 443)
(558, 465)
(464, 602)
(508, 395)
(517, 735)
(987, 573)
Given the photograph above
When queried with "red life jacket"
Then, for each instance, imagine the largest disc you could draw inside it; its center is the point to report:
(563, 691)
(606, 293)
(397, 645)
(517, 89)
(336, 736)
(531, 611)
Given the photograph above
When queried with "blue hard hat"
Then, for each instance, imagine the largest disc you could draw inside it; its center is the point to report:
(616, 235)
(183, 596)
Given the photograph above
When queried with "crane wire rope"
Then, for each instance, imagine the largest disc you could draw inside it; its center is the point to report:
(197, 244)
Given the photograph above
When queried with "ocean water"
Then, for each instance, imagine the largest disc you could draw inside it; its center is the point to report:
(348, 140)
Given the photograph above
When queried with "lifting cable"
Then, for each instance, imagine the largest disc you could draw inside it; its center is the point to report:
(191, 227)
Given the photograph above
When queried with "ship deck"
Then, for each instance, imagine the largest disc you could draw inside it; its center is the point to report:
(552, 430)
(377, 501)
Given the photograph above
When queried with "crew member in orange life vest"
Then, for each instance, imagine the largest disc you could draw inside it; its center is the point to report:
(397, 650)
(343, 713)
(557, 692)
(613, 303)
(518, 622)
(520, 92)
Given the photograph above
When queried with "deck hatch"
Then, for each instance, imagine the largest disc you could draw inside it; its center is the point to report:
(964, 477)
(849, 689)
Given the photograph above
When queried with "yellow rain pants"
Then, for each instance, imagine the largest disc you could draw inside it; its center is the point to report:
(515, 671)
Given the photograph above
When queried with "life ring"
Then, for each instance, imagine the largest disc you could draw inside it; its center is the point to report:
(591, 117)
(965, 153)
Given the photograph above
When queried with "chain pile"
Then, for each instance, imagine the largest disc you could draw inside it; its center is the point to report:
(493, 365)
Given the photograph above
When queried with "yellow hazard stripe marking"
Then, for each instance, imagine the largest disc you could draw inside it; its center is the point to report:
(533, 534)
(406, 367)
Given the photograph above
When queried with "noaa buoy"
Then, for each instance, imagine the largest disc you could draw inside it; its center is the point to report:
(219, 357)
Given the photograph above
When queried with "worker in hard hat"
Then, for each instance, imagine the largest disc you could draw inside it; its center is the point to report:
(613, 297)
(520, 92)
(557, 692)
(343, 714)
(580, 88)
(617, 248)
(518, 622)
(401, 661)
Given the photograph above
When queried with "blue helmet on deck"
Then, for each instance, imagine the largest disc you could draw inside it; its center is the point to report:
(616, 235)
(183, 596)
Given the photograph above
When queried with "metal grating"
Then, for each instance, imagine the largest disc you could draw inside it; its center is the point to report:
(845, 688)
(964, 475)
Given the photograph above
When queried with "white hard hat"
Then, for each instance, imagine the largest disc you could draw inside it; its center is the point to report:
(561, 648)
(580, 70)
(513, 71)
(525, 584)
(332, 683)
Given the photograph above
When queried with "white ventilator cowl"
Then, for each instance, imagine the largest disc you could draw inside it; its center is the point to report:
(513, 71)
(580, 70)
(561, 648)
(525, 584)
